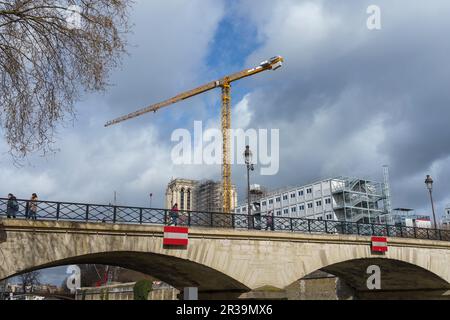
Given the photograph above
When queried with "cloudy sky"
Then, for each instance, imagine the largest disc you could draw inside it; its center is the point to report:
(347, 101)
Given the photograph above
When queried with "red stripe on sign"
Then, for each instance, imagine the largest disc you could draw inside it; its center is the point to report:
(176, 230)
(175, 242)
(379, 239)
(380, 249)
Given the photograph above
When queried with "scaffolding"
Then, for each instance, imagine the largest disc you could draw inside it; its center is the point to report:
(387, 190)
(208, 196)
(358, 200)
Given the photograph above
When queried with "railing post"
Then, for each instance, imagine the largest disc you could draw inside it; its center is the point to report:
(440, 234)
(387, 230)
(373, 229)
(326, 226)
(357, 229)
(401, 231)
(212, 220)
(189, 219)
(415, 233)
(87, 213)
(166, 221)
(232, 220)
(58, 208)
(140, 216)
(115, 214)
(292, 225)
(27, 210)
(428, 235)
(309, 225)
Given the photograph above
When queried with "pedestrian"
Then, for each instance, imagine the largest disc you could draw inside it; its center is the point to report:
(174, 214)
(33, 207)
(12, 207)
(269, 221)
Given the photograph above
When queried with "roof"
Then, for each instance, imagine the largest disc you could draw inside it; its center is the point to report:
(403, 209)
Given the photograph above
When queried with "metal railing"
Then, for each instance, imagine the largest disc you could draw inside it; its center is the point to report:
(79, 212)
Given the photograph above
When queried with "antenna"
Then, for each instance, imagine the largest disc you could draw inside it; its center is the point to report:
(387, 190)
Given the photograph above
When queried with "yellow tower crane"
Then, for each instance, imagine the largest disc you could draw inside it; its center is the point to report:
(224, 83)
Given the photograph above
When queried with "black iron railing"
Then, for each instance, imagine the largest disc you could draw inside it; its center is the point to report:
(81, 212)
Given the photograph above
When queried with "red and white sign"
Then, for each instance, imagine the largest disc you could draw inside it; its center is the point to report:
(176, 236)
(379, 244)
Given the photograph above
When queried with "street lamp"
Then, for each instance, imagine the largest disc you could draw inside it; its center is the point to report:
(248, 155)
(429, 184)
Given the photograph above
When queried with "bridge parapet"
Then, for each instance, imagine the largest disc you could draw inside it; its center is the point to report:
(109, 214)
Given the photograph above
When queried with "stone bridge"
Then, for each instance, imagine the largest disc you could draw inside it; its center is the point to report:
(228, 264)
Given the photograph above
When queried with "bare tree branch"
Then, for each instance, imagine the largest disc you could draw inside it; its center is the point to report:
(46, 62)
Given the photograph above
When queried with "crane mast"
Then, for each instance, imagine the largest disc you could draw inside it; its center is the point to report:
(225, 84)
(226, 166)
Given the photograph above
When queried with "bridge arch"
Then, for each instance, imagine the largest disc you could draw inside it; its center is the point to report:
(398, 280)
(30, 246)
(177, 272)
(220, 260)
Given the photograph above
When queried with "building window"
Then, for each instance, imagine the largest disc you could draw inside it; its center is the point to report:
(293, 209)
(329, 217)
(189, 199)
(328, 201)
(309, 190)
(318, 203)
(286, 211)
(301, 208)
(285, 197)
(292, 195)
(278, 199)
(271, 201)
(182, 199)
(244, 209)
(301, 193)
(278, 213)
(320, 218)
(264, 203)
(310, 205)
(238, 210)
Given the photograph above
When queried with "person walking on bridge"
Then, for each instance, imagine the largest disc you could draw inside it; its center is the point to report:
(174, 214)
(33, 207)
(269, 221)
(12, 207)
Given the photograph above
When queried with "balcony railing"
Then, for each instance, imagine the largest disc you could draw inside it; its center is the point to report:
(79, 212)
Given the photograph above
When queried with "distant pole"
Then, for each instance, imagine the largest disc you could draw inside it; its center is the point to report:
(151, 196)
(250, 167)
(429, 183)
(115, 198)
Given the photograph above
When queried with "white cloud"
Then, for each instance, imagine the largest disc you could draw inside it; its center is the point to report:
(242, 115)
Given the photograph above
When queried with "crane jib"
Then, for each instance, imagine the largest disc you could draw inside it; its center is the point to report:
(273, 63)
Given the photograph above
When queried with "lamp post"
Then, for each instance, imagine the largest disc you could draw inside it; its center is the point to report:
(429, 184)
(248, 155)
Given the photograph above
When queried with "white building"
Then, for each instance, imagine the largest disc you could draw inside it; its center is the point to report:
(343, 199)
(446, 219)
(404, 217)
